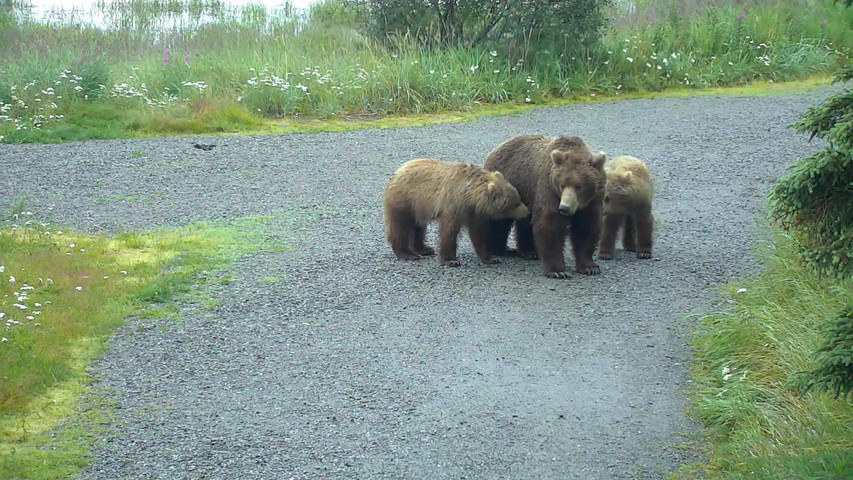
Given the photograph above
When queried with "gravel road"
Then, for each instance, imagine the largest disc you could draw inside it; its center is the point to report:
(355, 365)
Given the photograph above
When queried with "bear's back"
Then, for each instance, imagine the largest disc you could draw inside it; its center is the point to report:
(626, 163)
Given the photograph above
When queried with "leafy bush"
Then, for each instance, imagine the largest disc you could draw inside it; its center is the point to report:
(815, 200)
(562, 25)
(336, 12)
(834, 358)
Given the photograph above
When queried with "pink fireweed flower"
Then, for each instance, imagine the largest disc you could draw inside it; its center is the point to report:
(740, 17)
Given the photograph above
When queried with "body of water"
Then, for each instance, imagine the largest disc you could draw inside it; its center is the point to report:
(162, 14)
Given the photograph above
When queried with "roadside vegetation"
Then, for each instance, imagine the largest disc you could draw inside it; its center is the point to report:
(774, 368)
(200, 66)
(62, 295)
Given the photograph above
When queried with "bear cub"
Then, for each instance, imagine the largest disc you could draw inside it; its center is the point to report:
(627, 206)
(457, 195)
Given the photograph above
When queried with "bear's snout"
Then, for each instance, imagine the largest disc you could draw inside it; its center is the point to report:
(568, 202)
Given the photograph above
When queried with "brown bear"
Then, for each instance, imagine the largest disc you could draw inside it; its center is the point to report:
(562, 182)
(457, 194)
(627, 205)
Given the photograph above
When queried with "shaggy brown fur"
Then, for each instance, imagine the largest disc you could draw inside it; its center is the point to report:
(457, 194)
(627, 205)
(562, 182)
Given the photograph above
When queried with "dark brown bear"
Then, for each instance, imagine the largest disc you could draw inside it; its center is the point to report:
(457, 194)
(562, 182)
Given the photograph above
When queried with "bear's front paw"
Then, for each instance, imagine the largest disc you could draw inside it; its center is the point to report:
(427, 251)
(557, 274)
(644, 255)
(491, 261)
(605, 256)
(451, 263)
(589, 269)
(529, 255)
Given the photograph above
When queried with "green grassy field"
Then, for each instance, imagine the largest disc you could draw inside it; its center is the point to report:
(253, 70)
(65, 294)
(743, 355)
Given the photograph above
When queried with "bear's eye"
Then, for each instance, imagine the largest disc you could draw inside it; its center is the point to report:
(578, 188)
(607, 199)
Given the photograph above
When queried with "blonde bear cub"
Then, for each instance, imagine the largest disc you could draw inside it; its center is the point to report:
(457, 195)
(627, 206)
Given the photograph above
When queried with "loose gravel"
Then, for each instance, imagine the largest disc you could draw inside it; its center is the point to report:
(334, 360)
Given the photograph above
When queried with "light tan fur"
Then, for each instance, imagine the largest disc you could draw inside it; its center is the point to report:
(455, 194)
(628, 197)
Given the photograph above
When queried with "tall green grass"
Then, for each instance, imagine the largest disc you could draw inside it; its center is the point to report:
(242, 71)
(742, 358)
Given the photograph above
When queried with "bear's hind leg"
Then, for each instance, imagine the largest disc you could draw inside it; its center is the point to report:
(399, 230)
(629, 234)
(645, 226)
(607, 245)
(524, 243)
(419, 246)
(497, 236)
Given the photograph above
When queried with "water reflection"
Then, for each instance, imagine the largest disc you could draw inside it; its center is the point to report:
(158, 15)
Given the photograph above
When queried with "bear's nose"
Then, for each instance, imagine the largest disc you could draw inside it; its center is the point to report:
(564, 210)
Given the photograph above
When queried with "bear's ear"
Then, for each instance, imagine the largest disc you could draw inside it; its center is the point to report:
(498, 175)
(490, 186)
(628, 176)
(597, 160)
(558, 156)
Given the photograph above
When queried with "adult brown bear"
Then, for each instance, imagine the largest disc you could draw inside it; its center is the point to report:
(457, 195)
(562, 182)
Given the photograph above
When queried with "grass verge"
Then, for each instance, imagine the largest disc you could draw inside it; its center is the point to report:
(72, 82)
(177, 122)
(744, 354)
(63, 295)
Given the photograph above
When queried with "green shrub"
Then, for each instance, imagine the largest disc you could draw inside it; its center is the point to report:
(815, 200)
(562, 26)
(834, 359)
